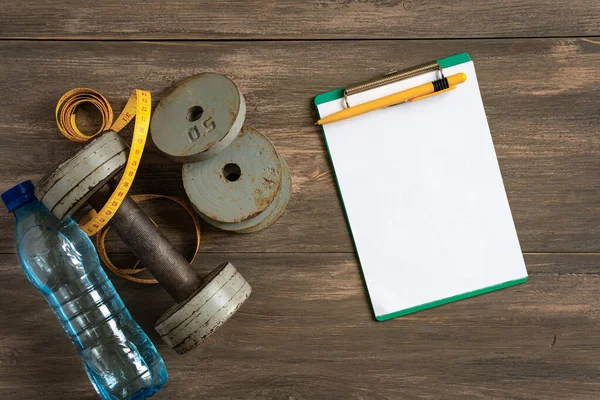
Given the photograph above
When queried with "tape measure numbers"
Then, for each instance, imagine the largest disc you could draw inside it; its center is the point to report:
(138, 105)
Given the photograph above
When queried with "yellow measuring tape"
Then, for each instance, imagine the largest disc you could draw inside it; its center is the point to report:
(138, 105)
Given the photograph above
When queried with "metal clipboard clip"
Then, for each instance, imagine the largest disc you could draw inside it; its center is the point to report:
(392, 76)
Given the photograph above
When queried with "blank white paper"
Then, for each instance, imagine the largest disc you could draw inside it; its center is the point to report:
(424, 196)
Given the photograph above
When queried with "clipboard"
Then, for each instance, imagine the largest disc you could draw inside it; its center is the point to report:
(423, 192)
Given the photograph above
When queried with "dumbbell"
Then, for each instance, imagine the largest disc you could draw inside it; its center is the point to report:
(202, 304)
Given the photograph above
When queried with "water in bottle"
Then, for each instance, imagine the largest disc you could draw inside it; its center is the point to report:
(61, 262)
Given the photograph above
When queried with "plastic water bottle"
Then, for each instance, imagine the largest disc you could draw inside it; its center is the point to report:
(61, 262)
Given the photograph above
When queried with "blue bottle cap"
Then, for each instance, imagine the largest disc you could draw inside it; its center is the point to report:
(19, 195)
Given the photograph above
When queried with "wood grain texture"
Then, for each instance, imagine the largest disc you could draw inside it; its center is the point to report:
(307, 332)
(540, 97)
(292, 19)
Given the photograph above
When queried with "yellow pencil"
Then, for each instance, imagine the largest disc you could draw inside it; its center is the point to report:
(415, 93)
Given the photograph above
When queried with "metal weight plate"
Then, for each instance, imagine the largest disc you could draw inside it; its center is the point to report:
(238, 184)
(189, 323)
(78, 176)
(280, 203)
(199, 118)
(271, 213)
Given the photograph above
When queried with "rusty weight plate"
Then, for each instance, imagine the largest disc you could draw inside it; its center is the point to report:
(198, 118)
(276, 209)
(185, 325)
(238, 184)
(267, 217)
(81, 174)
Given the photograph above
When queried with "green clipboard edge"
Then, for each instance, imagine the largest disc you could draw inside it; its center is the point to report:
(338, 94)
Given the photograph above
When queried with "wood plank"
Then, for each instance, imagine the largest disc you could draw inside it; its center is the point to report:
(289, 19)
(540, 96)
(308, 329)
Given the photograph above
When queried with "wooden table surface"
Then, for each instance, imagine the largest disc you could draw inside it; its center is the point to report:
(307, 332)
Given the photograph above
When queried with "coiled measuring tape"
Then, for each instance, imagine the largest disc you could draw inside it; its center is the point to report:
(128, 273)
(139, 105)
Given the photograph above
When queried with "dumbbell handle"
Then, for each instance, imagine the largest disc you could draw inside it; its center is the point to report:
(150, 246)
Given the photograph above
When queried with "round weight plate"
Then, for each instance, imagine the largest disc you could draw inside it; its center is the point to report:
(189, 323)
(199, 118)
(78, 176)
(237, 184)
(267, 217)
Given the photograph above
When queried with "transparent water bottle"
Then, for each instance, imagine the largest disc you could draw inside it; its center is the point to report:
(61, 262)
